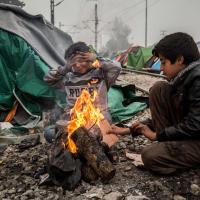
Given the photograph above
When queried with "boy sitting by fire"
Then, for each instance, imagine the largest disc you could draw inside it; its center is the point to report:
(84, 70)
(85, 79)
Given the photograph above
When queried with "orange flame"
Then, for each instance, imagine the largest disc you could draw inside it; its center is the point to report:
(96, 64)
(82, 114)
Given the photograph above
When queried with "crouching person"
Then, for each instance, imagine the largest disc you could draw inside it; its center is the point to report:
(175, 109)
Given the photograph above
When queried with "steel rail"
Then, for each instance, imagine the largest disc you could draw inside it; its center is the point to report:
(142, 72)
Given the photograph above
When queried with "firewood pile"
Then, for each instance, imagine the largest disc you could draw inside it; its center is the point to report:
(90, 163)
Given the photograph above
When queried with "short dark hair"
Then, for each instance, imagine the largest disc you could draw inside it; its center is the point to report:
(76, 47)
(177, 44)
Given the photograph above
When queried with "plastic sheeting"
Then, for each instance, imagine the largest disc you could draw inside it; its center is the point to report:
(116, 96)
(22, 73)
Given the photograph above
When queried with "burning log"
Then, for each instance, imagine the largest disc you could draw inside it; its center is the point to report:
(92, 151)
(88, 174)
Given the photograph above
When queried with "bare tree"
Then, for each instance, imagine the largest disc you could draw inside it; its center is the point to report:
(14, 2)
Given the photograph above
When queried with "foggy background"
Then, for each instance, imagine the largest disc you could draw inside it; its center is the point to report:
(121, 21)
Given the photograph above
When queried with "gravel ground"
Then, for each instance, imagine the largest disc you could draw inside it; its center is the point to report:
(18, 181)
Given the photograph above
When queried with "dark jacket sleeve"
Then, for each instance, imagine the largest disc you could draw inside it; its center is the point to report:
(189, 127)
(111, 70)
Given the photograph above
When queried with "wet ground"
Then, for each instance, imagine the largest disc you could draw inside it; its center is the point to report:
(18, 180)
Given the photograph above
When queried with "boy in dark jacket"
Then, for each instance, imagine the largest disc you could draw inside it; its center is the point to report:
(175, 108)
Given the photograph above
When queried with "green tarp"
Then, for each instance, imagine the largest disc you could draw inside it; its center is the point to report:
(119, 113)
(22, 74)
(137, 60)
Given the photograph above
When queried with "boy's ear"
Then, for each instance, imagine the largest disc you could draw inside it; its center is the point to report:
(180, 60)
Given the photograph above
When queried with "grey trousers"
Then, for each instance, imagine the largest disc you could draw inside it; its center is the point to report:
(170, 156)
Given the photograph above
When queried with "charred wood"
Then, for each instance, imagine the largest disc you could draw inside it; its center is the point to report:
(93, 152)
(64, 168)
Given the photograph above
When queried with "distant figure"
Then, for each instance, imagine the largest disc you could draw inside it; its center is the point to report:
(175, 108)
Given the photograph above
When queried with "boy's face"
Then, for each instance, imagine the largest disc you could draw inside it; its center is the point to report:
(80, 64)
(171, 70)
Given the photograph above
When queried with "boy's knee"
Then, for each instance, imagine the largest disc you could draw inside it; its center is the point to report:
(149, 157)
(155, 160)
(159, 92)
(159, 86)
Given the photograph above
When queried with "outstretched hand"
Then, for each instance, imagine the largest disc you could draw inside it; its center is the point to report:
(118, 130)
(143, 129)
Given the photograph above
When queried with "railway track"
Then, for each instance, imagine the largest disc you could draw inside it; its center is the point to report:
(142, 80)
(123, 82)
(128, 70)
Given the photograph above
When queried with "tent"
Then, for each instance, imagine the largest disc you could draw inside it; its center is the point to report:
(134, 57)
(120, 111)
(122, 56)
(153, 65)
(29, 47)
(138, 59)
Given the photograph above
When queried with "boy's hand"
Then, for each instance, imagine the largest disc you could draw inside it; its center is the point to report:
(87, 56)
(119, 130)
(144, 130)
(82, 61)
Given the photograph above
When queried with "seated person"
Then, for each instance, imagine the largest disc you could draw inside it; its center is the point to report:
(80, 73)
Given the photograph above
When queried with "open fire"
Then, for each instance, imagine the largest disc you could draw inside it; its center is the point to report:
(84, 155)
(83, 114)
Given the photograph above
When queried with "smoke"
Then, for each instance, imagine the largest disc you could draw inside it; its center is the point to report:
(118, 38)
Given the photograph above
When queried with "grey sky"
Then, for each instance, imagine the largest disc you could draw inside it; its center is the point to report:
(163, 15)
